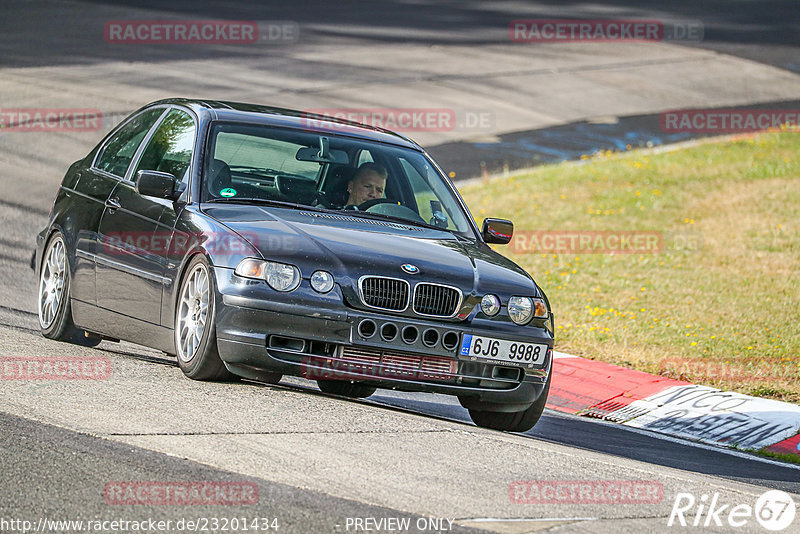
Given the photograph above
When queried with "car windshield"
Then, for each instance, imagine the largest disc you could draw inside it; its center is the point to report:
(261, 164)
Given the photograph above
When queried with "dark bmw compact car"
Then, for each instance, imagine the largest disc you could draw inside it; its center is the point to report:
(258, 242)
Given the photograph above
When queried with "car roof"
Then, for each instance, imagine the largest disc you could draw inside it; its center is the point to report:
(290, 118)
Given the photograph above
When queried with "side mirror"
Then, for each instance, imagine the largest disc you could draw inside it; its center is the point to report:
(157, 184)
(498, 231)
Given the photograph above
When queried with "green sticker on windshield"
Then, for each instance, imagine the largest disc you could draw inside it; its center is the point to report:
(228, 192)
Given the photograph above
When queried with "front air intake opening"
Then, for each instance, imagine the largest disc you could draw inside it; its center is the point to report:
(388, 331)
(367, 328)
(410, 334)
(450, 340)
(430, 337)
(287, 343)
(507, 373)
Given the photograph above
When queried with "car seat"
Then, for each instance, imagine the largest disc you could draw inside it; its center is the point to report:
(335, 194)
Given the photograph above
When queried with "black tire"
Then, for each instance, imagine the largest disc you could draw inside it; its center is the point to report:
(60, 327)
(512, 421)
(204, 362)
(354, 390)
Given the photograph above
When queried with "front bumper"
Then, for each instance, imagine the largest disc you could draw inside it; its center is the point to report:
(315, 336)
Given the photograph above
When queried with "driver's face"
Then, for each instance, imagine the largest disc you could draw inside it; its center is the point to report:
(368, 186)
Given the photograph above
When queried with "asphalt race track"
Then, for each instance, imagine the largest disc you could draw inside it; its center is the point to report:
(320, 462)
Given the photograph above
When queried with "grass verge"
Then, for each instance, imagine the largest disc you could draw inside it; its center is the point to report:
(791, 458)
(716, 302)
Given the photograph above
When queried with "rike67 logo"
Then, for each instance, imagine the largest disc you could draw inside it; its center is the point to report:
(774, 510)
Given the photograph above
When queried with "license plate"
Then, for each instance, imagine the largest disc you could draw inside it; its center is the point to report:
(502, 350)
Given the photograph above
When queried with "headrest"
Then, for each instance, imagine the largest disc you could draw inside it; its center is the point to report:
(336, 185)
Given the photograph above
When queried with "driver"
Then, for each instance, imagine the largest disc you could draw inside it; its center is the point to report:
(368, 183)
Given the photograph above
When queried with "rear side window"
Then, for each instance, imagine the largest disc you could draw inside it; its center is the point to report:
(120, 149)
(170, 147)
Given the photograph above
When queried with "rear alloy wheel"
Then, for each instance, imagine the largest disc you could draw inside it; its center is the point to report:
(195, 332)
(354, 390)
(54, 308)
(512, 421)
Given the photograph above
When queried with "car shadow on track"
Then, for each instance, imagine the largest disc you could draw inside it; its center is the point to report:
(568, 430)
(608, 438)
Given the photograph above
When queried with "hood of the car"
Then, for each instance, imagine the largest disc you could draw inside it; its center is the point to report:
(351, 247)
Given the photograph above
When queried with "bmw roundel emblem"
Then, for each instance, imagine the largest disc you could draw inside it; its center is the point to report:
(410, 269)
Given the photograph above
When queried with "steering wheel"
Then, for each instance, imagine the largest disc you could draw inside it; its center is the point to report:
(364, 206)
(383, 206)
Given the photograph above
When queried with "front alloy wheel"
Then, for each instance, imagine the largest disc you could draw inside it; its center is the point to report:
(195, 332)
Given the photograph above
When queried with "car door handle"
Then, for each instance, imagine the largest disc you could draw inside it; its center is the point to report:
(113, 203)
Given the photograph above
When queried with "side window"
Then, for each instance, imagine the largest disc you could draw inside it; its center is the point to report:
(120, 149)
(422, 191)
(430, 208)
(170, 147)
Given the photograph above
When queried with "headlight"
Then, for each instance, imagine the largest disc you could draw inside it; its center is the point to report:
(279, 276)
(282, 277)
(490, 305)
(520, 309)
(322, 281)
